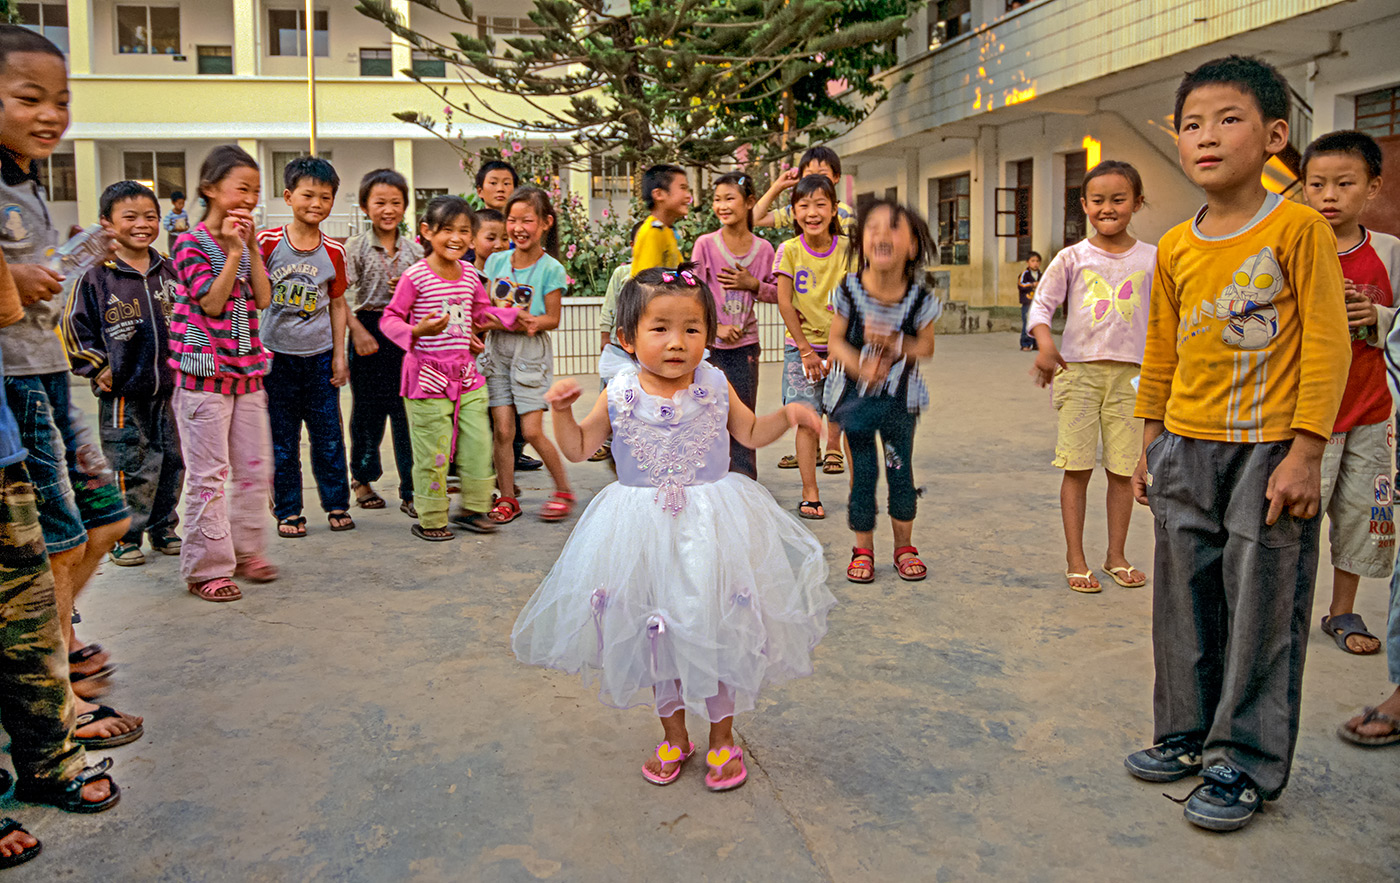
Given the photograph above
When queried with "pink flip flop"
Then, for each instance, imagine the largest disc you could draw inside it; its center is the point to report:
(668, 753)
(717, 758)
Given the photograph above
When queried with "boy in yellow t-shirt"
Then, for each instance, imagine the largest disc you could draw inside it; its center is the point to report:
(1246, 360)
(666, 193)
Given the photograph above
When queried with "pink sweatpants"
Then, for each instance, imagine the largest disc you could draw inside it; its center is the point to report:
(223, 438)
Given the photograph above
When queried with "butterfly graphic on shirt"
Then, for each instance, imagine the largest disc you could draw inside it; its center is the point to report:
(1102, 299)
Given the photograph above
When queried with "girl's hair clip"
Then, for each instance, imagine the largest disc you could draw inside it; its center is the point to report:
(670, 278)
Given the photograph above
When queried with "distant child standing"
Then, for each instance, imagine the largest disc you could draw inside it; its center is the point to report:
(684, 584)
(737, 267)
(1105, 284)
(304, 330)
(219, 362)
(1244, 370)
(666, 193)
(1025, 292)
(437, 306)
(809, 267)
(526, 284)
(1341, 174)
(117, 331)
(177, 221)
(374, 262)
(882, 327)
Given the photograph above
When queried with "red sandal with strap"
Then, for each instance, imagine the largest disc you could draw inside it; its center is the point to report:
(911, 568)
(856, 564)
(558, 507)
(505, 510)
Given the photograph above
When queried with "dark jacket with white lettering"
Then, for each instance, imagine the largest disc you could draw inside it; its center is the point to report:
(119, 317)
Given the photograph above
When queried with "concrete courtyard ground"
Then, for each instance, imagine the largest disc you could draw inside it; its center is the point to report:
(363, 718)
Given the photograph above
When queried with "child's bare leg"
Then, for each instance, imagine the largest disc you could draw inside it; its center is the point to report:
(833, 436)
(533, 424)
(1344, 585)
(1120, 514)
(1074, 496)
(503, 447)
(807, 443)
(673, 726)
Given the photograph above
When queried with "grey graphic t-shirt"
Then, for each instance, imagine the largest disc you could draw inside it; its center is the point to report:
(298, 323)
(30, 346)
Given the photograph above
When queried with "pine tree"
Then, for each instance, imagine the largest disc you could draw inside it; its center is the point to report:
(700, 80)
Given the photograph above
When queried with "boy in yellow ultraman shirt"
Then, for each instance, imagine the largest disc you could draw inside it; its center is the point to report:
(666, 193)
(1247, 356)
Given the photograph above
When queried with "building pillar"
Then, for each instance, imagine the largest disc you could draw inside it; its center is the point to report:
(89, 180)
(986, 250)
(1044, 200)
(245, 39)
(908, 181)
(401, 50)
(403, 164)
(79, 36)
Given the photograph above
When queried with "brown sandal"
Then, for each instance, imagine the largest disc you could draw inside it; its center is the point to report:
(856, 564)
(209, 589)
(911, 568)
(370, 500)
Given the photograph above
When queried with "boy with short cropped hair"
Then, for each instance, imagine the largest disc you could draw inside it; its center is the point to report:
(374, 261)
(1341, 174)
(116, 329)
(1025, 293)
(304, 330)
(496, 180)
(1244, 370)
(177, 221)
(815, 161)
(666, 193)
(488, 236)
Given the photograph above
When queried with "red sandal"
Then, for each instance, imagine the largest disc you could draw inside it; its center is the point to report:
(868, 566)
(506, 510)
(557, 507)
(210, 589)
(911, 568)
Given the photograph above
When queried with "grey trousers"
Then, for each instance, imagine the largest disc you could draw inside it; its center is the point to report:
(1231, 601)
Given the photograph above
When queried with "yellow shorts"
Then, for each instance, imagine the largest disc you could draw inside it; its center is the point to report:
(1096, 399)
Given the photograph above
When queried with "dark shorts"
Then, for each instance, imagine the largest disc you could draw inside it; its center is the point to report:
(70, 502)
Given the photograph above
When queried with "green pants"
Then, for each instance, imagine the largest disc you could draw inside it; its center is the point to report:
(35, 702)
(430, 430)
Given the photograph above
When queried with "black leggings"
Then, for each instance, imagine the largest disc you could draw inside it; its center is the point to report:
(740, 367)
(895, 425)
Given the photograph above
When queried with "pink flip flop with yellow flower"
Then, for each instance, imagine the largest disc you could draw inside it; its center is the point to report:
(717, 758)
(668, 753)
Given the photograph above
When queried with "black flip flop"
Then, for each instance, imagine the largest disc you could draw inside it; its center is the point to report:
(68, 796)
(811, 504)
(104, 712)
(407, 508)
(1343, 626)
(8, 827)
(422, 533)
(476, 522)
(1370, 716)
(340, 515)
(298, 525)
(372, 500)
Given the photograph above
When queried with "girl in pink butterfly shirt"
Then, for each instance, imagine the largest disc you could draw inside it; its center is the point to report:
(1104, 282)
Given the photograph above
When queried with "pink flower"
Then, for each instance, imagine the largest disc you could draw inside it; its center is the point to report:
(515, 145)
(573, 250)
(505, 152)
(605, 213)
(569, 280)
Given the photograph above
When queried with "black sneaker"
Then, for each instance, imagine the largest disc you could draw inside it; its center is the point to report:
(1225, 801)
(1171, 759)
(526, 463)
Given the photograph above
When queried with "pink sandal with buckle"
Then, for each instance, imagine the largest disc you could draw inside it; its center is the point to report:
(668, 753)
(258, 569)
(717, 758)
(558, 507)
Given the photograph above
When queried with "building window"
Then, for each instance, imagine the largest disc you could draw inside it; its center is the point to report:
(214, 59)
(376, 62)
(421, 195)
(148, 30)
(59, 176)
(948, 19)
(611, 176)
(1378, 113)
(1025, 171)
(425, 64)
(954, 219)
(286, 33)
(280, 160)
(1075, 167)
(49, 19)
(162, 171)
(503, 26)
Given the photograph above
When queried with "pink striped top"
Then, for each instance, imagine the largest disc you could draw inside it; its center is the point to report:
(439, 365)
(222, 353)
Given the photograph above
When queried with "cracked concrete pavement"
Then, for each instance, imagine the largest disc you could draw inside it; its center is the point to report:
(363, 719)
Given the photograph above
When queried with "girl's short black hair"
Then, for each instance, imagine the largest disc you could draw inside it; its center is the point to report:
(441, 211)
(811, 185)
(925, 252)
(650, 284)
(1115, 167)
(741, 182)
(121, 192)
(219, 164)
(385, 177)
(539, 201)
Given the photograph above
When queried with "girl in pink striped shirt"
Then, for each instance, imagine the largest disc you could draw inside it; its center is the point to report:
(436, 309)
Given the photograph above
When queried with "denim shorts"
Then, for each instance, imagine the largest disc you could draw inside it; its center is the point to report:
(70, 501)
(796, 386)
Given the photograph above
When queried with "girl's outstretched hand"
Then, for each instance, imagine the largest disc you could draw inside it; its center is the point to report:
(563, 394)
(800, 415)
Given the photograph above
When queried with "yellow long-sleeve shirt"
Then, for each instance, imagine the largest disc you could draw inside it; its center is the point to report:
(655, 246)
(1247, 339)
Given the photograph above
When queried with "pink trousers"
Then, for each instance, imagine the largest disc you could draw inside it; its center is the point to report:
(224, 438)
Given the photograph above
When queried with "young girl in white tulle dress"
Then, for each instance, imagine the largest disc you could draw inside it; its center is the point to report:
(684, 585)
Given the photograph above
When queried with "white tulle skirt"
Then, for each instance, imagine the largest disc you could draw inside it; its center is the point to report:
(696, 610)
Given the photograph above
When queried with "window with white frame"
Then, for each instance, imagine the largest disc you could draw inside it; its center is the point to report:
(161, 170)
(425, 64)
(505, 26)
(214, 59)
(611, 176)
(148, 30)
(49, 19)
(286, 32)
(59, 175)
(376, 62)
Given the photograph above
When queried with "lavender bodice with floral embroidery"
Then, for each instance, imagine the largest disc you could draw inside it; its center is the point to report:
(670, 444)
